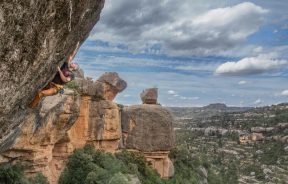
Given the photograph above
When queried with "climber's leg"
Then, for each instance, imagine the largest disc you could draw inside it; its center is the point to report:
(47, 91)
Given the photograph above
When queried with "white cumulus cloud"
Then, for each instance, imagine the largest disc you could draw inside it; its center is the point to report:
(171, 92)
(258, 102)
(242, 82)
(251, 65)
(284, 93)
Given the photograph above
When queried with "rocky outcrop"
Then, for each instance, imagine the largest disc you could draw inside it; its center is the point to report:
(106, 87)
(109, 85)
(66, 122)
(98, 124)
(36, 36)
(253, 137)
(114, 80)
(264, 129)
(149, 96)
(282, 125)
(280, 138)
(40, 133)
(161, 162)
(148, 129)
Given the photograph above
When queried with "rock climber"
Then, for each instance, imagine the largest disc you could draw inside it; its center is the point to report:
(64, 75)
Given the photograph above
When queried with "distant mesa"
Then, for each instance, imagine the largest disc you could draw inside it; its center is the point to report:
(149, 96)
(217, 106)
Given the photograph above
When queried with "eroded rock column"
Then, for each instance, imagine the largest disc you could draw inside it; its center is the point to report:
(98, 123)
(148, 129)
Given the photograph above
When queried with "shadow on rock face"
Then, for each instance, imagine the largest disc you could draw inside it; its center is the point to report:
(36, 37)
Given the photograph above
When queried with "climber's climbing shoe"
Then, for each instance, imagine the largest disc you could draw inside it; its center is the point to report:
(61, 91)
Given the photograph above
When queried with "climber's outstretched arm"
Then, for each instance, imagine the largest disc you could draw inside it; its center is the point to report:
(62, 76)
(73, 53)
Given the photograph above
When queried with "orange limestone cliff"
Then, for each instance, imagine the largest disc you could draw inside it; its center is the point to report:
(98, 124)
(66, 122)
(42, 129)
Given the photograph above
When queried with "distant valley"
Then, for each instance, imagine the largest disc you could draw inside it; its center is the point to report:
(238, 144)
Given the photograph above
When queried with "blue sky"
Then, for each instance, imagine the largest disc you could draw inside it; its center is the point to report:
(196, 53)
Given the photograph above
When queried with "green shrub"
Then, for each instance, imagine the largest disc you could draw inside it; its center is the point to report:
(136, 164)
(72, 85)
(78, 167)
(97, 167)
(89, 166)
(230, 174)
(14, 174)
(272, 152)
(254, 168)
(119, 178)
(39, 178)
(234, 136)
(11, 173)
(214, 178)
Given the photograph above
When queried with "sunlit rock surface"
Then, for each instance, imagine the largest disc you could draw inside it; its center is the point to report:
(36, 144)
(63, 123)
(107, 86)
(148, 129)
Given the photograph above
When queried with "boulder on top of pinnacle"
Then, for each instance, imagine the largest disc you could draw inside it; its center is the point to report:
(149, 96)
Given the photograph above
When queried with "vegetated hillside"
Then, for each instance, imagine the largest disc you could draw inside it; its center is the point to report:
(88, 166)
(250, 146)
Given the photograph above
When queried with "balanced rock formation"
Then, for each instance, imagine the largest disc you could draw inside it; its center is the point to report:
(148, 129)
(149, 96)
(106, 87)
(36, 37)
(112, 84)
